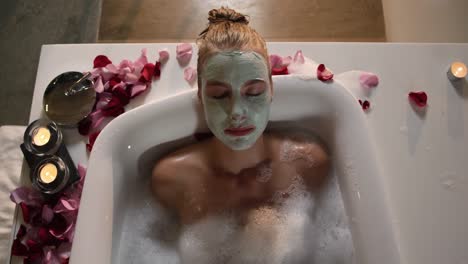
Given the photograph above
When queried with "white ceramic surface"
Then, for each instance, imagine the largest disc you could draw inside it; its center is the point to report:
(422, 158)
(327, 109)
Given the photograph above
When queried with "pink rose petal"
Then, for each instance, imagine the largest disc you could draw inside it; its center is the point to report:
(143, 59)
(418, 98)
(190, 75)
(184, 53)
(138, 89)
(287, 60)
(126, 64)
(324, 74)
(299, 57)
(112, 68)
(103, 100)
(131, 78)
(98, 85)
(64, 205)
(47, 214)
(26, 195)
(163, 56)
(368, 80)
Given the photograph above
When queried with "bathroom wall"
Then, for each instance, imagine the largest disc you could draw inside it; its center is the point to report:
(426, 20)
(276, 20)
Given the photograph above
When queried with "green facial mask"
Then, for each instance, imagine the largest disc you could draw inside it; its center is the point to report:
(238, 110)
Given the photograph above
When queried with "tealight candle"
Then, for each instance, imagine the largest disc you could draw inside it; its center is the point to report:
(41, 136)
(457, 71)
(52, 168)
(48, 173)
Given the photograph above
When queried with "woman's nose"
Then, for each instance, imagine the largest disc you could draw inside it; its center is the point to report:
(238, 112)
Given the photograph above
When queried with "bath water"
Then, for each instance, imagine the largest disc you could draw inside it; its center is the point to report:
(299, 228)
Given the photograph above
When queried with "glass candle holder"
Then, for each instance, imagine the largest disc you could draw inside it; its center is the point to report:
(457, 71)
(42, 138)
(52, 168)
(50, 175)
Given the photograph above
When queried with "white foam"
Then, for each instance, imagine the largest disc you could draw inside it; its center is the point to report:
(291, 151)
(302, 229)
(265, 172)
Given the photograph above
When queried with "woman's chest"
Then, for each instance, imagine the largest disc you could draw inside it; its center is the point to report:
(250, 189)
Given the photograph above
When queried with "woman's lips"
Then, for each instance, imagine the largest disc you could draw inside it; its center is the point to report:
(239, 131)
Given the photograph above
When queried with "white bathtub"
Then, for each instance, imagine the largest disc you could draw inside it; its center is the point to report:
(125, 151)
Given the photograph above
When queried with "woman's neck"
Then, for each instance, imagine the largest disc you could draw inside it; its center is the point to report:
(233, 161)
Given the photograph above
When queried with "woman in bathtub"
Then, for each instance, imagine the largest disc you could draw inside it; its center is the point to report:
(241, 169)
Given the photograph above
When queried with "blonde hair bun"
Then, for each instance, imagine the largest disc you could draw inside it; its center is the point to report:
(224, 14)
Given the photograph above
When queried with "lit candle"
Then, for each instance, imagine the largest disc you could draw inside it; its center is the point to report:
(41, 136)
(457, 71)
(48, 173)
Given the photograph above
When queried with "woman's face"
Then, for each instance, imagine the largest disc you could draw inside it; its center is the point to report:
(236, 97)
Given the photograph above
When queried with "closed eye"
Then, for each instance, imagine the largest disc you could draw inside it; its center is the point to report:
(217, 90)
(221, 96)
(254, 88)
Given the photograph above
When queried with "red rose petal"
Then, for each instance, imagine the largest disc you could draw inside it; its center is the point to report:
(157, 70)
(26, 213)
(59, 227)
(21, 232)
(101, 61)
(34, 258)
(280, 71)
(418, 98)
(122, 95)
(114, 81)
(92, 139)
(44, 235)
(365, 105)
(323, 74)
(18, 248)
(84, 126)
(114, 111)
(147, 72)
(33, 246)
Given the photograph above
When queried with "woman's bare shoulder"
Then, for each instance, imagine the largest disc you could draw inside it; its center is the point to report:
(174, 173)
(186, 159)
